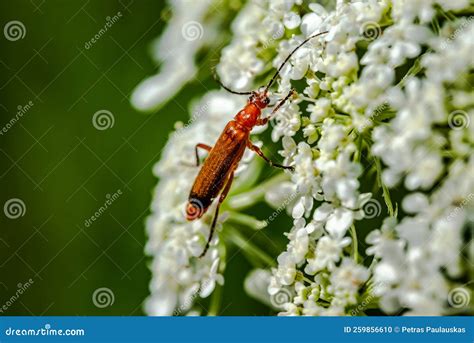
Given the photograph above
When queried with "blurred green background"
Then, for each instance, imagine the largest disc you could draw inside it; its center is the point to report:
(64, 169)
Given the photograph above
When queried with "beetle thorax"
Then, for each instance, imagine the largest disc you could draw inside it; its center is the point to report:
(249, 115)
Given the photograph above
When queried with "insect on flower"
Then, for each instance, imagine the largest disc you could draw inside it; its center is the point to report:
(217, 172)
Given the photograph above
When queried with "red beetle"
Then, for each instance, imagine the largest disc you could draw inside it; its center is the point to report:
(217, 172)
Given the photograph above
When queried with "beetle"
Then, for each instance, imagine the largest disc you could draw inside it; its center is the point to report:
(217, 172)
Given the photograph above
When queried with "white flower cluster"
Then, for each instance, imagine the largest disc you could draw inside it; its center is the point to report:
(387, 99)
(412, 255)
(178, 275)
(174, 52)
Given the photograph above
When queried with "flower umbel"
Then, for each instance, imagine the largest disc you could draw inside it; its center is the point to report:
(383, 116)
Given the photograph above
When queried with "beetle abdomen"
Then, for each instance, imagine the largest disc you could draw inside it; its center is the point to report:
(219, 164)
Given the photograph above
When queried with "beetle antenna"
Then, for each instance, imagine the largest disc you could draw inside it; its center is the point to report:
(289, 56)
(227, 88)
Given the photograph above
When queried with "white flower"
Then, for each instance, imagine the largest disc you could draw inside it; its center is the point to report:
(306, 294)
(299, 245)
(339, 222)
(379, 108)
(256, 285)
(286, 271)
(426, 172)
(332, 137)
(380, 241)
(177, 54)
(328, 251)
(414, 203)
(398, 42)
(239, 74)
(287, 121)
(424, 10)
(305, 175)
(337, 219)
(311, 22)
(346, 281)
(173, 242)
(291, 20)
(458, 56)
(319, 110)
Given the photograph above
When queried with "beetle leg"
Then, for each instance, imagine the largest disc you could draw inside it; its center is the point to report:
(260, 153)
(202, 146)
(263, 121)
(216, 214)
(199, 145)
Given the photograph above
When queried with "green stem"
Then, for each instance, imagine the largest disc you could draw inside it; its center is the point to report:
(246, 220)
(358, 153)
(415, 69)
(355, 248)
(248, 178)
(215, 301)
(305, 98)
(386, 193)
(380, 118)
(243, 200)
(435, 25)
(250, 249)
(443, 14)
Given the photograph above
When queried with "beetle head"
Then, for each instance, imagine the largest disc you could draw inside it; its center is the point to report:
(260, 98)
